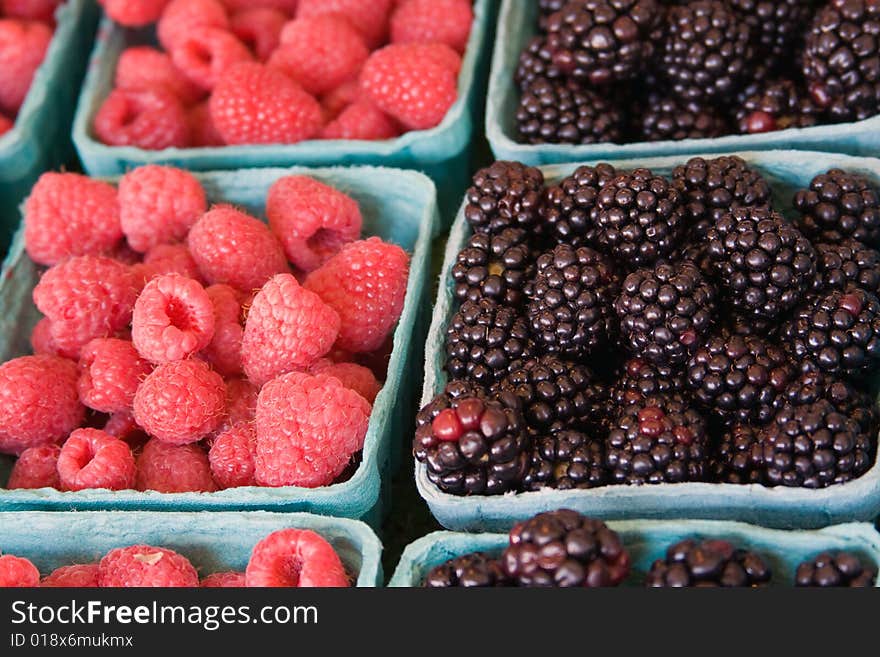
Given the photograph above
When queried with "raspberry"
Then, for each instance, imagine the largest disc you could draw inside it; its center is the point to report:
(312, 220)
(334, 102)
(5, 125)
(255, 104)
(365, 283)
(232, 456)
(36, 10)
(110, 372)
(414, 90)
(146, 566)
(287, 6)
(143, 67)
(152, 119)
(69, 215)
(165, 259)
(224, 351)
(91, 458)
(241, 404)
(287, 328)
(134, 13)
(295, 558)
(122, 425)
(16, 572)
(361, 120)
(41, 339)
(426, 21)
(174, 469)
(203, 132)
(438, 53)
(371, 18)
(37, 467)
(353, 376)
(180, 402)
(308, 428)
(23, 46)
(259, 29)
(78, 576)
(206, 53)
(39, 404)
(181, 17)
(85, 297)
(223, 580)
(173, 319)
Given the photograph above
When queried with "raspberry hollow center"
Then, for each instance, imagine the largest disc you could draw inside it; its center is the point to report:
(179, 315)
(291, 568)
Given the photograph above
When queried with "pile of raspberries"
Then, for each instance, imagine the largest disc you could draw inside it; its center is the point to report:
(187, 348)
(234, 72)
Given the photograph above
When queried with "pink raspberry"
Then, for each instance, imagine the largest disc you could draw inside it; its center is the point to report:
(5, 125)
(334, 102)
(146, 566)
(259, 29)
(91, 458)
(295, 558)
(255, 104)
(224, 351)
(110, 372)
(362, 120)
(41, 339)
(287, 328)
(365, 283)
(151, 119)
(427, 21)
(353, 376)
(142, 67)
(39, 404)
(35, 10)
(17, 572)
(203, 132)
(173, 319)
(223, 581)
(134, 13)
(234, 248)
(23, 46)
(84, 298)
(371, 18)
(37, 467)
(181, 17)
(165, 259)
(180, 402)
(159, 205)
(312, 220)
(169, 468)
(69, 215)
(287, 6)
(241, 405)
(438, 53)
(123, 426)
(308, 428)
(416, 91)
(232, 456)
(206, 53)
(78, 576)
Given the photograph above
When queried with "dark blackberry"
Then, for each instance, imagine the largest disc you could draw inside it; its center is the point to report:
(839, 205)
(564, 548)
(777, 26)
(844, 265)
(765, 264)
(470, 570)
(665, 118)
(453, 390)
(841, 60)
(568, 207)
(739, 456)
(505, 195)
(640, 379)
(495, 267)
(813, 386)
(566, 460)
(476, 446)
(838, 569)
(536, 63)
(664, 312)
(570, 307)
(483, 339)
(546, 8)
(776, 105)
(658, 440)
(710, 563)
(707, 53)
(555, 112)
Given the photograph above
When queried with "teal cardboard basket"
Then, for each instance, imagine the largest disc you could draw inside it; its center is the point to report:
(517, 25)
(647, 540)
(40, 139)
(443, 153)
(213, 542)
(398, 206)
(774, 507)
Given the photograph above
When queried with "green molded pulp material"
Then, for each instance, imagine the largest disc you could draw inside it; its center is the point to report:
(647, 540)
(40, 139)
(213, 542)
(443, 152)
(398, 206)
(516, 25)
(773, 507)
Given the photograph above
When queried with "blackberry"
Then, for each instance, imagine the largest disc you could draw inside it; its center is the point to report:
(777, 26)
(483, 339)
(749, 325)
(707, 53)
(568, 207)
(658, 440)
(470, 570)
(838, 569)
(536, 63)
(454, 390)
(839, 205)
(505, 195)
(566, 460)
(563, 113)
(547, 8)
(476, 446)
(665, 311)
(859, 405)
(495, 267)
(739, 456)
(570, 307)
(639, 218)
(666, 118)
(640, 379)
(710, 563)
(845, 265)
(776, 105)
(841, 60)
(764, 263)
(564, 548)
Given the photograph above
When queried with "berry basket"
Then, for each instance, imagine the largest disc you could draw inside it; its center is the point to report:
(442, 153)
(40, 138)
(516, 25)
(204, 538)
(857, 500)
(647, 540)
(398, 206)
